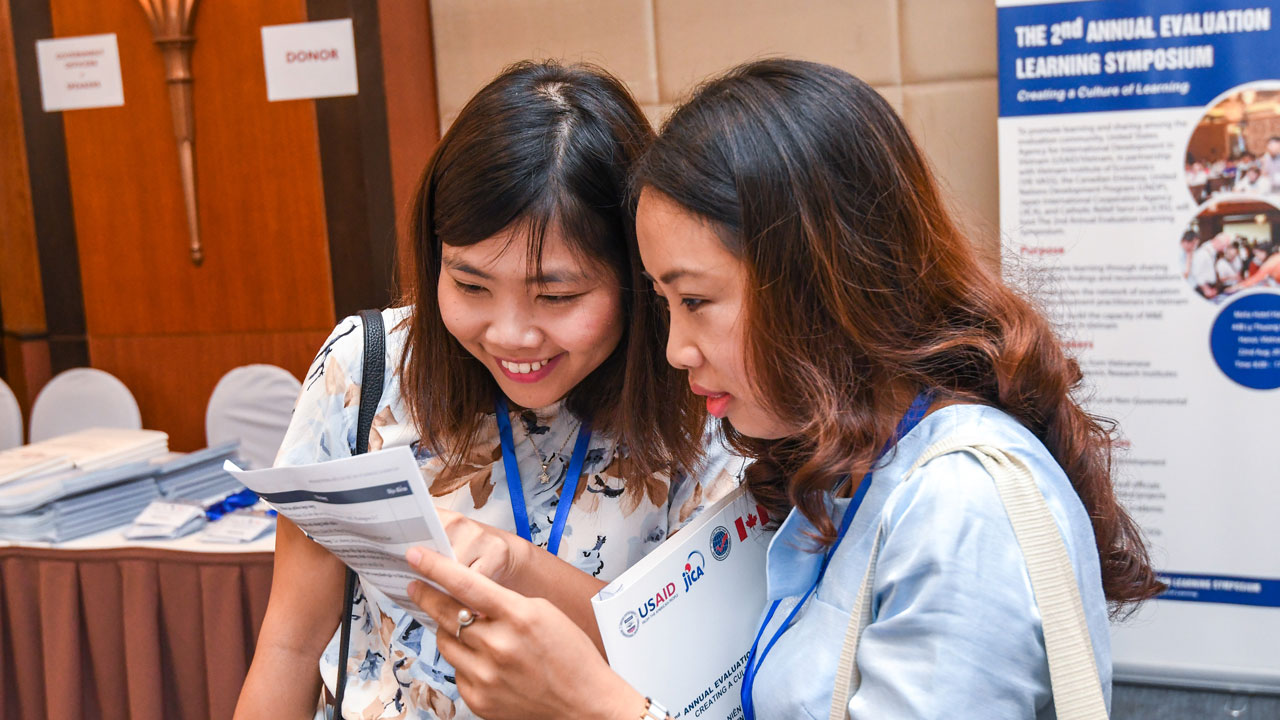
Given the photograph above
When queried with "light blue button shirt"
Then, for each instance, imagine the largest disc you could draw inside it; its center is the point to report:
(955, 632)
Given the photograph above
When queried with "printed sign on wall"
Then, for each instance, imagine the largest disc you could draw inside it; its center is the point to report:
(80, 72)
(310, 60)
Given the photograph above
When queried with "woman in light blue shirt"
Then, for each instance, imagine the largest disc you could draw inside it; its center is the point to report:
(956, 632)
(834, 316)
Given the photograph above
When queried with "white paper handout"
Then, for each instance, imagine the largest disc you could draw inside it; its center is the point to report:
(165, 519)
(679, 624)
(367, 510)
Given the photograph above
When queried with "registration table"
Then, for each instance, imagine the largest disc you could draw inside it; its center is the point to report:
(104, 627)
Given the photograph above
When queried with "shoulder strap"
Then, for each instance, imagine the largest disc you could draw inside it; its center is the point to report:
(1073, 670)
(372, 373)
(848, 677)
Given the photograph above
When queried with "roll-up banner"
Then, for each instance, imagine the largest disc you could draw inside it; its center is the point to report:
(1140, 202)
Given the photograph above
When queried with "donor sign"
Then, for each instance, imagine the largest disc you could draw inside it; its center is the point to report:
(310, 60)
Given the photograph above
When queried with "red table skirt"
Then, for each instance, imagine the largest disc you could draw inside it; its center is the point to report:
(137, 634)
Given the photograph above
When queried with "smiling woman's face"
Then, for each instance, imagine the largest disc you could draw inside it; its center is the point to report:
(705, 287)
(539, 337)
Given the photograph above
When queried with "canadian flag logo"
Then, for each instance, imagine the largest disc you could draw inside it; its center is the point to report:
(750, 520)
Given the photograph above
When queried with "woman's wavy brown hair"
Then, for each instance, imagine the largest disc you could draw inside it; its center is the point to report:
(543, 148)
(862, 284)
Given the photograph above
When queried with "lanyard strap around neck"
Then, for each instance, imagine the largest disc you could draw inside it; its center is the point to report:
(515, 487)
(915, 413)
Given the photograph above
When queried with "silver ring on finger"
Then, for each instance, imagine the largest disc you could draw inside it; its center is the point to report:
(465, 618)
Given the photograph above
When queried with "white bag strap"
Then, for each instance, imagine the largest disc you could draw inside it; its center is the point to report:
(848, 677)
(1073, 671)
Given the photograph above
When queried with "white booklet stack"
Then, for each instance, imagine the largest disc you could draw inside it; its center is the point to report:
(99, 448)
(77, 484)
(31, 461)
(678, 625)
(87, 451)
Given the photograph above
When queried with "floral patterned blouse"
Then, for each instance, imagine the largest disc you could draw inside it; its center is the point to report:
(393, 669)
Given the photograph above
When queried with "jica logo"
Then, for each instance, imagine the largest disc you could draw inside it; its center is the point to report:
(693, 569)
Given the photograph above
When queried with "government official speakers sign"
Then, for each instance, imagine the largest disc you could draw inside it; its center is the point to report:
(1140, 201)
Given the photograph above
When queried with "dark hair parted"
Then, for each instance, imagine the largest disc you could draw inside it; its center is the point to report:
(860, 285)
(543, 148)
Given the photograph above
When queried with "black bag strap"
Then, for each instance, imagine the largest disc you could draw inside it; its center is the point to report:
(371, 376)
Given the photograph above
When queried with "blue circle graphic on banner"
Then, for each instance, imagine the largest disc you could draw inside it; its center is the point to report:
(1246, 341)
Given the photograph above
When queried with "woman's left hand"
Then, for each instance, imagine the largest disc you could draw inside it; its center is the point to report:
(521, 657)
(496, 554)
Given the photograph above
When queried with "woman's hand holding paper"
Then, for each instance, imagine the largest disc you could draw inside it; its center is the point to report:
(518, 565)
(498, 555)
(521, 657)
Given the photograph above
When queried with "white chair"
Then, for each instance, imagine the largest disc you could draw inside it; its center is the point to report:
(83, 398)
(252, 404)
(10, 418)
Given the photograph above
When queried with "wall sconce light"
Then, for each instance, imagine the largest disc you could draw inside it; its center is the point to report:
(171, 24)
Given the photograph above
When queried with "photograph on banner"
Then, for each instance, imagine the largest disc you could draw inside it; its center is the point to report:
(1235, 148)
(1225, 249)
(1137, 142)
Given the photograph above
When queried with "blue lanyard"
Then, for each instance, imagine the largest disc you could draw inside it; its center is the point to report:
(516, 488)
(913, 416)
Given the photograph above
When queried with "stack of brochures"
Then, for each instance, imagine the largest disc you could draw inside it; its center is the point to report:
(80, 515)
(100, 475)
(31, 461)
(111, 477)
(98, 448)
(197, 476)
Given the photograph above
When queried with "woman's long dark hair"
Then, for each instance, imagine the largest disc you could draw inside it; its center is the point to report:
(543, 148)
(861, 283)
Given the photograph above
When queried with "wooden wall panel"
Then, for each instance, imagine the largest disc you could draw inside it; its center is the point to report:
(172, 377)
(50, 197)
(21, 295)
(413, 123)
(259, 187)
(356, 166)
(29, 368)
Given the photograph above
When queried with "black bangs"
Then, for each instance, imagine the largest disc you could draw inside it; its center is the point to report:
(539, 154)
(592, 237)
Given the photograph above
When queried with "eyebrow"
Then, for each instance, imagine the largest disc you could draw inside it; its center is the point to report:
(463, 267)
(551, 278)
(559, 276)
(671, 276)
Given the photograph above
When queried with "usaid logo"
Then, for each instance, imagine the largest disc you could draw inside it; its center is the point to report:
(630, 624)
(632, 620)
(721, 543)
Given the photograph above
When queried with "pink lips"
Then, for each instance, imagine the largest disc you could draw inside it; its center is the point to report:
(717, 402)
(719, 405)
(531, 377)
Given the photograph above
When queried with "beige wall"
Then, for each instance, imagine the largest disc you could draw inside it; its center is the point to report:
(935, 60)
